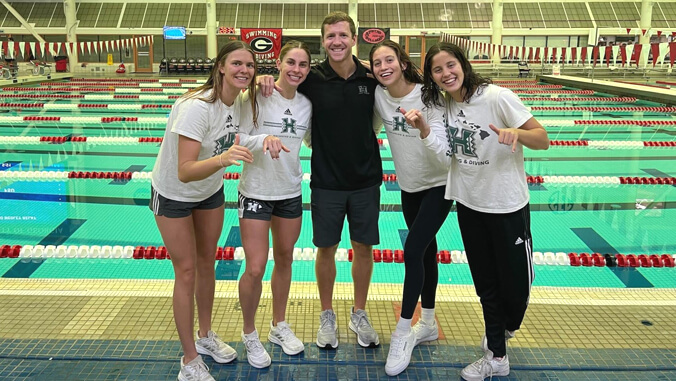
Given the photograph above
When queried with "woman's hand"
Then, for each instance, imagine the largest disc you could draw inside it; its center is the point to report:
(235, 154)
(274, 145)
(507, 136)
(415, 119)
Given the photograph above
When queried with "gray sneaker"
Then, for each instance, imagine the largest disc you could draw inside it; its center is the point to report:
(213, 346)
(195, 370)
(326, 334)
(360, 324)
(484, 341)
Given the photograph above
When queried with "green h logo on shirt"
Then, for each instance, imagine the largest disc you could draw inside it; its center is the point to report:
(224, 142)
(463, 140)
(399, 124)
(289, 125)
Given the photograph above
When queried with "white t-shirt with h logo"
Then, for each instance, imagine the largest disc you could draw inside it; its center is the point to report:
(485, 175)
(287, 119)
(212, 124)
(420, 163)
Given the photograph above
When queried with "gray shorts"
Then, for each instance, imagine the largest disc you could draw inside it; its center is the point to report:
(330, 207)
(253, 209)
(162, 206)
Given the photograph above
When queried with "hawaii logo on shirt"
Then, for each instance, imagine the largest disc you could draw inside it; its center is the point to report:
(289, 125)
(463, 138)
(224, 142)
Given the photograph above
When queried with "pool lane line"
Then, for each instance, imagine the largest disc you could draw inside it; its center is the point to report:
(233, 205)
(631, 277)
(56, 237)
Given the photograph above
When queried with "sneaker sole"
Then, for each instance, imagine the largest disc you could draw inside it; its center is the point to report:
(361, 343)
(259, 366)
(499, 374)
(397, 370)
(327, 345)
(218, 359)
(289, 352)
(427, 338)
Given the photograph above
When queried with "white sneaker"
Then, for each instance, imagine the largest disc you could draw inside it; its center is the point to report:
(283, 336)
(326, 334)
(195, 370)
(399, 355)
(213, 346)
(486, 367)
(425, 332)
(256, 354)
(484, 340)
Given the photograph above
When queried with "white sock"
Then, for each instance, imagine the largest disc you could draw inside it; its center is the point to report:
(403, 327)
(252, 335)
(427, 315)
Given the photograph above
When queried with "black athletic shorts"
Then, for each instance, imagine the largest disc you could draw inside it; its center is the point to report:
(162, 206)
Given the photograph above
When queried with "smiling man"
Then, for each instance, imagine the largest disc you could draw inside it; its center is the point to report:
(346, 173)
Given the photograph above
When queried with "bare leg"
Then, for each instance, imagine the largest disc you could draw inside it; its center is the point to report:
(179, 238)
(362, 268)
(208, 226)
(325, 271)
(256, 244)
(285, 233)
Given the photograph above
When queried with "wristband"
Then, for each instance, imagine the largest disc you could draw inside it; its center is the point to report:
(220, 160)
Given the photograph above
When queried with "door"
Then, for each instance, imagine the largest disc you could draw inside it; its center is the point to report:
(416, 47)
(143, 58)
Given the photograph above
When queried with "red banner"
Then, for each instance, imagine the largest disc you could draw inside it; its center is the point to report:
(265, 42)
(623, 53)
(655, 50)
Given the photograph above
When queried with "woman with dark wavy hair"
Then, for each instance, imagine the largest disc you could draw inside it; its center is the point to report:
(488, 183)
(416, 135)
(187, 197)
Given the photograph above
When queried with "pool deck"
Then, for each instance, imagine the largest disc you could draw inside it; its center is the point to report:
(121, 329)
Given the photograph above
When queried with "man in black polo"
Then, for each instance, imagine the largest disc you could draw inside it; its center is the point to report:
(346, 173)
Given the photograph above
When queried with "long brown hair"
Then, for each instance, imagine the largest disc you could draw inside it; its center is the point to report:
(409, 70)
(215, 80)
(472, 81)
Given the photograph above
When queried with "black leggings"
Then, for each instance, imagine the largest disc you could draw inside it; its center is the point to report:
(500, 254)
(424, 212)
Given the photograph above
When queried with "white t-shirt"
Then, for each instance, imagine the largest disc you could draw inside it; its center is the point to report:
(212, 124)
(485, 175)
(420, 163)
(287, 119)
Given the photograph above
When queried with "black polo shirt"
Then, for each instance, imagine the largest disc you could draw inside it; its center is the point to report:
(345, 152)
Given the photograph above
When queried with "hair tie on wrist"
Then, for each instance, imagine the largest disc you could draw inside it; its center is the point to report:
(220, 160)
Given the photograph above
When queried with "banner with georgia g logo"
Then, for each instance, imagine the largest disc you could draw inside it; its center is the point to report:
(265, 42)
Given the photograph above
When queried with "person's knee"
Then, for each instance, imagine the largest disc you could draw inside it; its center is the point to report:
(284, 259)
(185, 273)
(361, 247)
(327, 252)
(255, 271)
